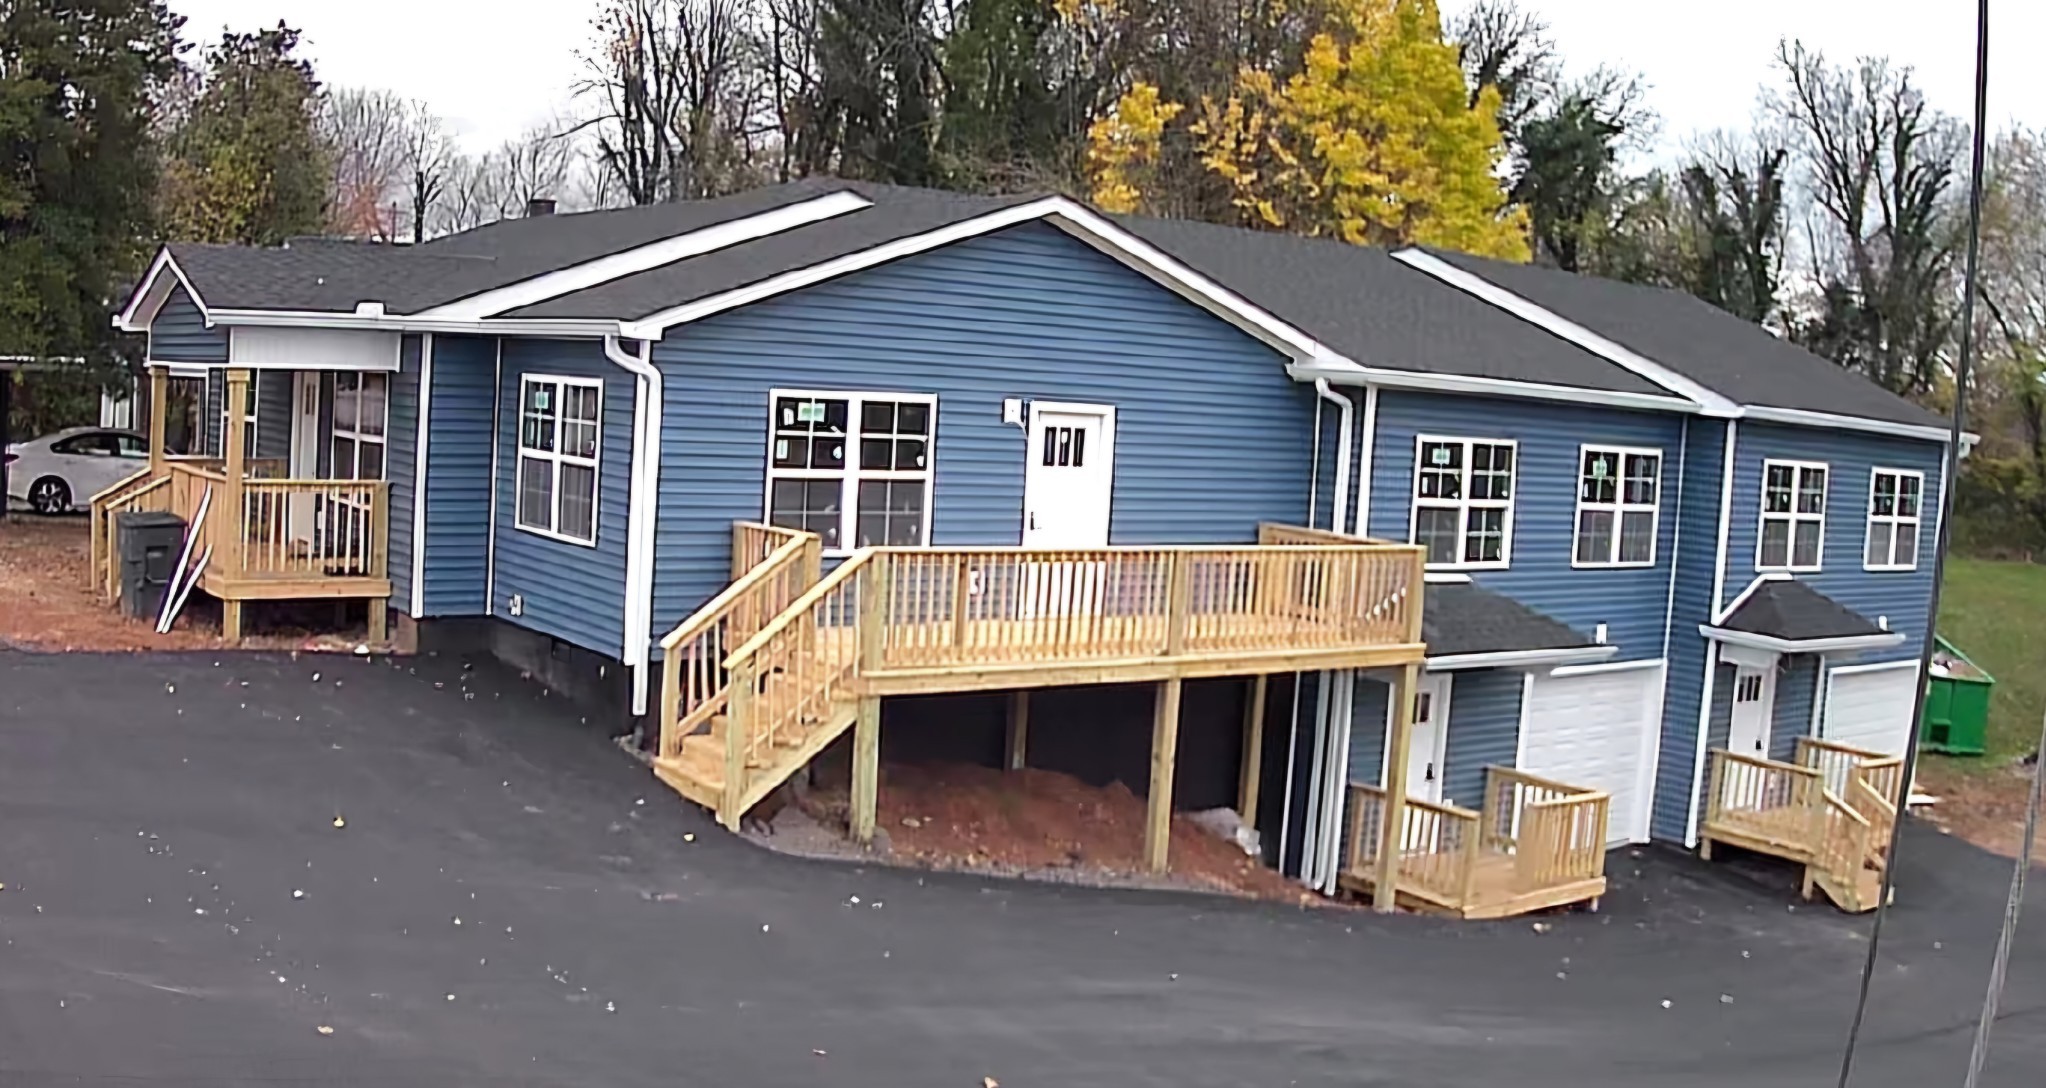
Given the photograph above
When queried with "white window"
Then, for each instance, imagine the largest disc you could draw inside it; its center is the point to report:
(854, 468)
(1894, 498)
(559, 421)
(1463, 501)
(248, 418)
(361, 414)
(1618, 491)
(1793, 516)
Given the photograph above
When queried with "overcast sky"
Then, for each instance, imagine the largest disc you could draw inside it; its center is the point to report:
(494, 67)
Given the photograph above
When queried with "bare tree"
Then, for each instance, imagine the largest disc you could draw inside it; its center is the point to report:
(429, 156)
(365, 133)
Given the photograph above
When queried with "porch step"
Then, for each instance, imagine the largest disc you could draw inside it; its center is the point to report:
(697, 771)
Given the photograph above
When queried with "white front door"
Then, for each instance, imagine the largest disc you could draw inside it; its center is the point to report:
(1754, 701)
(305, 448)
(1428, 747)
(1068, 475)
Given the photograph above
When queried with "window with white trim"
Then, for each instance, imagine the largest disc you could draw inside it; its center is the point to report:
(1895, 496)
(560, 424)
(854, 468)
(361, 416)
(1793, 531)
(1618, 494)
(1463, 501)
(249, 416)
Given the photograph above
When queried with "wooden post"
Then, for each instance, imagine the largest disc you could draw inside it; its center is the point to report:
(873, 611)
(1016, 739)
(379, 620)
(1399, 732)
(739, 714)
(1253, 751)
(671, 704)
(962, 595)
(228, 507)
(1164, 757)
(1177, 603)
(159, 410)
(866, 768)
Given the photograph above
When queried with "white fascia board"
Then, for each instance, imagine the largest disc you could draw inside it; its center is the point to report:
(1522, 659)
(567, 328)
(605, 269)
(1343, 372)
(1801, 646)
(1877, 666)
(1067, 215)
(1804, 418)
(1709, 403)
(1734, 605)
(150, 295)
(1445, 578)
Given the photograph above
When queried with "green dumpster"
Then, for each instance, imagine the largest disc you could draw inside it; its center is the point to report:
(1956, 703)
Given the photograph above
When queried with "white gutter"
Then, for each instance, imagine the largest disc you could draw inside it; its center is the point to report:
(425, 405)
(1773, 644)
(1340, 509)
(641, 512)
(1344, 372)
(1365, 456)
(1522, 659)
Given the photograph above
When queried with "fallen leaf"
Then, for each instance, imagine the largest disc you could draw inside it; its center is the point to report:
(989, 1082)
(339, 822)
(816, 1051)
(324, 1030)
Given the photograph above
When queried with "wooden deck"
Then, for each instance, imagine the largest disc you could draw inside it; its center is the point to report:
(1831, 811)
(1538, 844)
(788, 658)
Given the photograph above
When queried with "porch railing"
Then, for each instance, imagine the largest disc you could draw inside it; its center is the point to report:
(1534, 834)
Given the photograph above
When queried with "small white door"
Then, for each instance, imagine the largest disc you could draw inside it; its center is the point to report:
(305, 449)
(1428, 747)
(1754, 700)
(1068, 475)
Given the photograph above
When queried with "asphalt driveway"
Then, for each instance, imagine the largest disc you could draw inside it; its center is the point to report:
(499, 907)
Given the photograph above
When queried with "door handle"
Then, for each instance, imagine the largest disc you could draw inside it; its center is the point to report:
(1430, 776)
(1033, 520)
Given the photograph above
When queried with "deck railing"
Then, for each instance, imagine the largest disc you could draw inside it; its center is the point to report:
(1840, 840)
(695, 685)
(141, 491)
(311, 529)
(1554, 834)
(1753, 789)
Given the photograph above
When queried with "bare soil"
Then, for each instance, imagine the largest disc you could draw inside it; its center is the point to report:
(47, 602)
(1044, 824)
(1986, 808)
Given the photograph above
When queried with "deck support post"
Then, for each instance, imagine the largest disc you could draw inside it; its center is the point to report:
(1252, 772)
(379, 620)
(866, 768)
(1399, 731)
(231, 621)
(1016, 738)
(228, 518)
(159, 410)
(1164, 758)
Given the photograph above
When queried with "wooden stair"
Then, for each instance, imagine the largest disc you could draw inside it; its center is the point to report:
(698, 770)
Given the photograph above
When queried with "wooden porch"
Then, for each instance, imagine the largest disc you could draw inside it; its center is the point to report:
(1536, 844)
(788, 657)
(259, 534)
(1830, 811)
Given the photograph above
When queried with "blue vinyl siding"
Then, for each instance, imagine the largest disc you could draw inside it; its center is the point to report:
(401, 436)
(1367, 731)
(1697, 554)
(179, 333)
(1900, 596)
(1632, 602)
(573, 592)
(1211, 435)
(1484, 729)
(458, 476)
(216, 397)
(273, 413)
(1796, 679)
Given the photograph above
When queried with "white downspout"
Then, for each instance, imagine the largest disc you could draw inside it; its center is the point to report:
(641, 510)
(1310, 822)
(422, 410)
(1341, 508)
(1335, 794)
(1365, 456)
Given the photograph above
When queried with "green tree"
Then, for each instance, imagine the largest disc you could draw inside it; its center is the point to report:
(871, 108)
(1013, 117)
(79, 81)
(246, 164)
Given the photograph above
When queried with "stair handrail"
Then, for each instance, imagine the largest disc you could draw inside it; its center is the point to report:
(693, 654)
(801, 606)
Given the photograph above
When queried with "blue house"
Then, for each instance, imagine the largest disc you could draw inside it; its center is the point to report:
(745, 470)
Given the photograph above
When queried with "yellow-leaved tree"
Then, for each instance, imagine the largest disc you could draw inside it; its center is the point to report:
(1372, 139)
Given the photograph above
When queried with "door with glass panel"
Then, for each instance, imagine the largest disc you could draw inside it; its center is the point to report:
(356, 451)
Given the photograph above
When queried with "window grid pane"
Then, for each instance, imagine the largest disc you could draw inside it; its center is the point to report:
(871, 452)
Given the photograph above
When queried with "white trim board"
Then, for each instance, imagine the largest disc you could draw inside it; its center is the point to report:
(1345, 372)
(148, 295)
(1526, 659)
(1773, 644)
(422, 408)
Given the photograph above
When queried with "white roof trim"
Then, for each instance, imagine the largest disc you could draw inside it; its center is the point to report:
(1068, 216)
(1445, 578)
(1734, 605)
(590, 328)
(1806, 418)
(148, 298)
(1709, 402)
(1349, 373)
(1569, 655)
(1801, 646)
(613, 266)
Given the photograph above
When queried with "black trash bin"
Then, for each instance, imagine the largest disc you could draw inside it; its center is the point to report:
(148, 543)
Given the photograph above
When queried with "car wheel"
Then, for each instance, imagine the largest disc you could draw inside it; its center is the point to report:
(49, 495)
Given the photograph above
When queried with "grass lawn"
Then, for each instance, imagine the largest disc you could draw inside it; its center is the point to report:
(1995, 612)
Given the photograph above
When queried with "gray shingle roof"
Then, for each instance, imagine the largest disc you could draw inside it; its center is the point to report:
(1733, 357)
(1794, 611)
(1465, 618)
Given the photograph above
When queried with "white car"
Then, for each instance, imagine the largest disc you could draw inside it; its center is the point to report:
(63, 471)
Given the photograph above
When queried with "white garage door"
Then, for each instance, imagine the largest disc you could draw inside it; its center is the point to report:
(1870, 708)
(1594, 729)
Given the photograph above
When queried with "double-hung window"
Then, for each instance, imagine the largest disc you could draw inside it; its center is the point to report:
(1618, 491)
(854, 468)
(1894, 499)
(249, 415)
(361, 414)
(559, 424)
(1793, 516)
(1463, 501)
